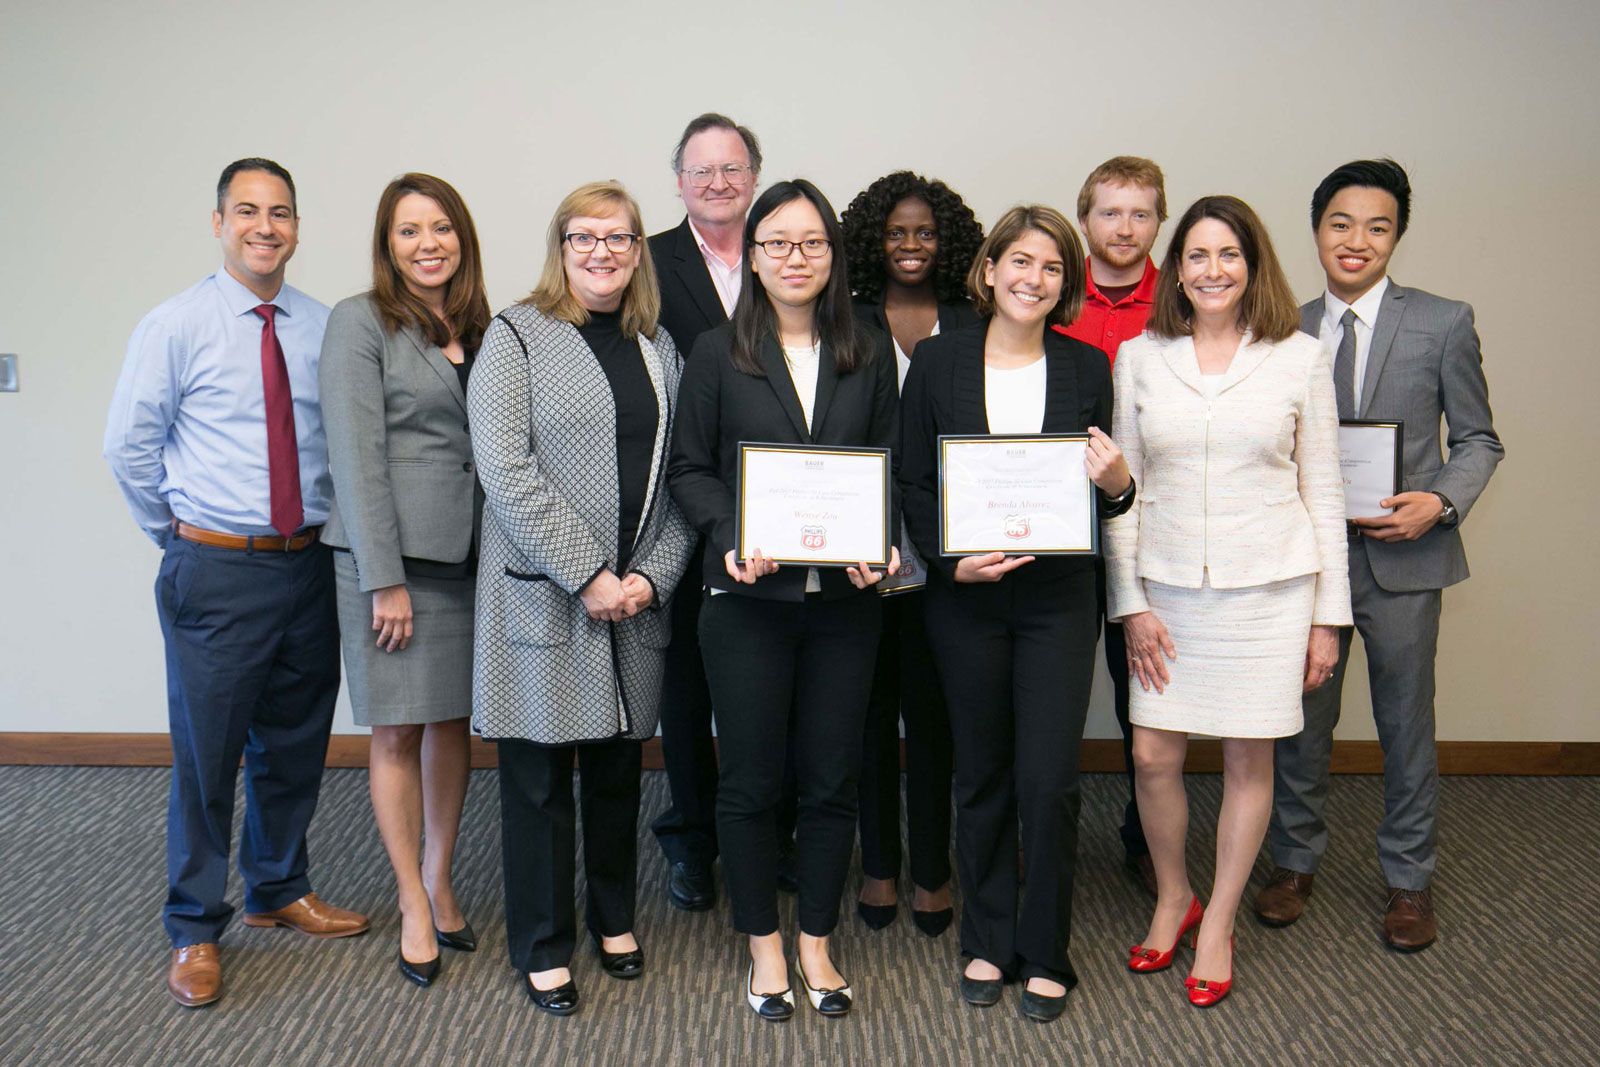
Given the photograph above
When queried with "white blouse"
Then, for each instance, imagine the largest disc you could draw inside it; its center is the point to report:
(1014, 398)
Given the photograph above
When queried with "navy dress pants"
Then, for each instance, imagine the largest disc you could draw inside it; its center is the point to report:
(252, 644)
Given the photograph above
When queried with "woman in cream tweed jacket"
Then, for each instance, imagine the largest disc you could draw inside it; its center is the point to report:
(1229, 571)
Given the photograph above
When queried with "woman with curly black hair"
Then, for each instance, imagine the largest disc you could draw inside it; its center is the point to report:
(910, 242)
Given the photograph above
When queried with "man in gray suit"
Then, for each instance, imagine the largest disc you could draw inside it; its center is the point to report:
(1400, 354)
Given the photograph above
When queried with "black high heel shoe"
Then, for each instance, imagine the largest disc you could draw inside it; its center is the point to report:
(462, 940)
(877, 916)
(624, 965)
(421, 973)
(933, 923)
(562, 1000)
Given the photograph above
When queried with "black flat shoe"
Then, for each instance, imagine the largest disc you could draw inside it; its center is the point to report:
(773, 1007)
(462, 940)
(562, 1000)
(691, 887)
(981, 992)
(1040, 1008)
(877, 916)
(830, 1002)
(421, 973)
(623, 965)
(933, 923)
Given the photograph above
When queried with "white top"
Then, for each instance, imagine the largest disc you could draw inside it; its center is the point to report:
(1331, 332)
(1210, 382)
(725, 279)
(803, 372)
(1014, 399)
(903, 361)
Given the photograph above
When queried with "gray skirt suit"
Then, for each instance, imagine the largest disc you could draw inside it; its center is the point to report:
(406, 507)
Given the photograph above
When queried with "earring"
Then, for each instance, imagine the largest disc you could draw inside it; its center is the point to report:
(1180, 285)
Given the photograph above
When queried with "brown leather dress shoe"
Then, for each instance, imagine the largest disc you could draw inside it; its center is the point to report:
(195, 977)
(1408, 924)
(1283, 898)
(313, 917)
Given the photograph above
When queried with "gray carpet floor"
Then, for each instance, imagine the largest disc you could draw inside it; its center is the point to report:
(1511, 981)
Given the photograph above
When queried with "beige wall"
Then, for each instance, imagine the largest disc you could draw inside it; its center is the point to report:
(117, 117)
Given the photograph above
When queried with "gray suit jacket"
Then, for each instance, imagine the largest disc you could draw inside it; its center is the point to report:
(1425, 363)
(398, 446)
(545, 435)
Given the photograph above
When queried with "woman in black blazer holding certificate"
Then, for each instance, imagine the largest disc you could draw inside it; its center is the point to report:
(1014, 636)
(911, 242)
(789, 651)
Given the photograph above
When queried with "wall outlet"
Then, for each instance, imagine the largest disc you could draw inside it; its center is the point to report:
(8, 374)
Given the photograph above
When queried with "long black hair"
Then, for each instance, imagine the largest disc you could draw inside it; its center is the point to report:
(753, 318)
(960, 235)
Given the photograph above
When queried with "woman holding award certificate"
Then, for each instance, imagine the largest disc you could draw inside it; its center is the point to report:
(571, 408)
(788, 650)
(1230, 574)
(1014, 634)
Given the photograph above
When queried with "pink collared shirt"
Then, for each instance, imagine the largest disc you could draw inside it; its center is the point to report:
(726, 279)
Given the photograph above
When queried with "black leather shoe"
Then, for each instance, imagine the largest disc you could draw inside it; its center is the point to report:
(876, 916)
(788, 880)
(1040, 1008)
(691, 886)
(773, 1007)
(462, 940)
(421, 973)
(933, 923)
(981, 992)
(620, 964)
(562, 1000)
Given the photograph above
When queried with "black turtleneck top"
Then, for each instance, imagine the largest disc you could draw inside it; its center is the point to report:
(634, 397)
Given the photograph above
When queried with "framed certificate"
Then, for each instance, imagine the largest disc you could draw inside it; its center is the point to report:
(913, 573)
(1369, 463)
(813, 504)
(1022, 494)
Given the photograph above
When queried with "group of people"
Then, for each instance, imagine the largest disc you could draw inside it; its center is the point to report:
(525, 521)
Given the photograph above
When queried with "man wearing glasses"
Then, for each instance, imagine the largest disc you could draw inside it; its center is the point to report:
(700, 264)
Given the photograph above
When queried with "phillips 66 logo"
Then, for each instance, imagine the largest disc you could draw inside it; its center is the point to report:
(1017, 527)
(813, 537)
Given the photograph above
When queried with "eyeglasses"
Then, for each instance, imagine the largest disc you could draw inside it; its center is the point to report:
(586, 242)
(732, 173)
(811, 247)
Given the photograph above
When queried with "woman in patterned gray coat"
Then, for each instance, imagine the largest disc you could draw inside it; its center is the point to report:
(571, 411)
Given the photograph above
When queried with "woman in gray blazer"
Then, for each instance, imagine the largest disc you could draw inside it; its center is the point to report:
(393, 379)
(572, 407)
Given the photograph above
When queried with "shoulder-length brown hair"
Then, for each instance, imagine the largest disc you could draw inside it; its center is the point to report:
(641, 301)
(466, 300)
(1267, 309)
(1007, 232)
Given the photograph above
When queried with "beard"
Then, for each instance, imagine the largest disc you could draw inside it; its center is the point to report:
(1120, 258)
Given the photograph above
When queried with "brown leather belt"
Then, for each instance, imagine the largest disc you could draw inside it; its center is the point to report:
(299, 542)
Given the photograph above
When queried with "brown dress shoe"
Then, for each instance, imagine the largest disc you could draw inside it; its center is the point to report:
(195, 977)
(312, 916)
(1408, 924)
(1143, 870)
(1283, 898)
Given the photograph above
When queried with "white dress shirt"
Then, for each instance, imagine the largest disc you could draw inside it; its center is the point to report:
(903, 361)
(1014, 399)
(725, 279)
(803, 363)
(1331, 332)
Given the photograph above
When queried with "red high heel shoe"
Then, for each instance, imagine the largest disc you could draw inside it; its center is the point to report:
(1147, 960)
(1208, 992)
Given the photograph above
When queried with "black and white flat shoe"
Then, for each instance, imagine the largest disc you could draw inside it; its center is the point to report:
(773, 1007)
(830, 1002)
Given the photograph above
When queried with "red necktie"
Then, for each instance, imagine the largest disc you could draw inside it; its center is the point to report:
(283, 455)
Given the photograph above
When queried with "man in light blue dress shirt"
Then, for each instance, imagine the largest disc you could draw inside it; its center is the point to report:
(215, 439)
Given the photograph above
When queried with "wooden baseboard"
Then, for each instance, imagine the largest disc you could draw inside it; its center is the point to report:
(1100, 755)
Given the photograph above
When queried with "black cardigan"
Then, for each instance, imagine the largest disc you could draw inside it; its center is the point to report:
(952, 316)
(719, 406)
(944, 394)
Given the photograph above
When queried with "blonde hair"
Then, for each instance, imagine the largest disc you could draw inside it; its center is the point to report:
(641, 301)
(1012, 225)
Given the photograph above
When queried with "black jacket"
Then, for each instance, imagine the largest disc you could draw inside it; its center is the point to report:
(689, 301)
(952, 316)
(944, 394)
(719, 406)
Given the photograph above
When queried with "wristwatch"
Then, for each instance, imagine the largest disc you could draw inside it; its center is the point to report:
(1449, 516)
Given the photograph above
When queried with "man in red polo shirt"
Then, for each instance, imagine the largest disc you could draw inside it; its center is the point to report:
(1122, 204)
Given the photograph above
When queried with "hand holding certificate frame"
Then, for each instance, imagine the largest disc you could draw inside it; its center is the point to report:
(1369, 464)
(1018, 494)
(812, 504)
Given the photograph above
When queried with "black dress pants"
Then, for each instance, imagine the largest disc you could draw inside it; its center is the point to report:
(538, 830)
(788, 675)
(687, 830)
(1133, 843)
(1016, 659)
(905, 685)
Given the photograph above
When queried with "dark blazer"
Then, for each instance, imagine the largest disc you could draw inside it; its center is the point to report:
(689, 302)
(1425, 364)
(944, 394)
(719, 406)
(952, 316)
